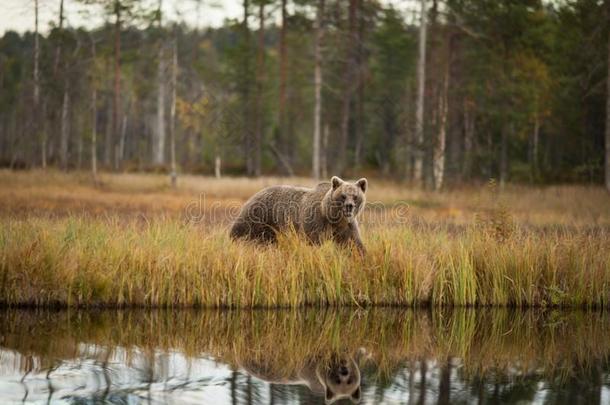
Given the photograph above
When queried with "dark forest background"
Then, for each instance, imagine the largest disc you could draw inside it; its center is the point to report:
(514, 90)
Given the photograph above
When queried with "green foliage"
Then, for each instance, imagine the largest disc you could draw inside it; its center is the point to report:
(521, 67)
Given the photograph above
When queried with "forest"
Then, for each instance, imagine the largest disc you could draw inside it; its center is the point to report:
(450, 92)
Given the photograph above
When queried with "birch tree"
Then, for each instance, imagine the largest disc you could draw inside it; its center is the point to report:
(317, 116)
(43, 145)
(159, 133)
(172, 114)
(419, 109)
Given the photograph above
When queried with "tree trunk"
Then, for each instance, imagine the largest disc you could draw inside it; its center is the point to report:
(318, 90)
(64, 128)
(443, 109)
(359, 127)
(260, 78)
(116, 111)
(283, 141)
(108, 137)
(408, 129)
(172, 113)
(245, 84)
(37, 119)
(534, 145)
(348, 88)
(94, 130)
(159, 133)
(608, 108)
(79, 151)
(44, 136)
(504, 154)
(419, 109)
(323, 157)
(58, 48)
(469, 128)
(123, 139)
(217, 166)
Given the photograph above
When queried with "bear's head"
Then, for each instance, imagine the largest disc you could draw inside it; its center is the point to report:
(341, 379)
(345, 199)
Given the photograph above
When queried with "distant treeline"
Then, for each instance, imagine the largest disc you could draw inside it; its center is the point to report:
(514, 90)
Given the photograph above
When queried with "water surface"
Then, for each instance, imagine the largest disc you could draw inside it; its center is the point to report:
(307, 356)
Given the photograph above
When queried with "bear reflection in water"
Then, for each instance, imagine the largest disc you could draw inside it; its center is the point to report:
(336, 378)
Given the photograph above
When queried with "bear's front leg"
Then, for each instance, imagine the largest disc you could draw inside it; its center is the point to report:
(355, 237)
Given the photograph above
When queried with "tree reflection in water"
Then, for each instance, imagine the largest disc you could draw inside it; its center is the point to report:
(307, 356)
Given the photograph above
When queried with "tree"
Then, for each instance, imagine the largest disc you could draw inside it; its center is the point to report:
(65, 105)
(319, 32)
(282, 133)
(349, 85)
(419, 111)
(65, 126)
(116, 105)
(172, 116)
(159, 134)
(93, 84)
(515, 90)
(441, 140)
(392, 48)
(608, 105)
(255, 158)
(43, 146)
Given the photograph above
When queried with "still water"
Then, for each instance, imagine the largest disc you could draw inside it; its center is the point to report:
(308, 356)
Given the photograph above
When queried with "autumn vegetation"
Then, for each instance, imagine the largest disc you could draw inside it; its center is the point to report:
(134, 241)
(483, 127)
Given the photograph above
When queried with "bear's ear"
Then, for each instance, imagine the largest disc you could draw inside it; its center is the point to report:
(336, 182)
(356, 396)
(329, 395)
(363, 184)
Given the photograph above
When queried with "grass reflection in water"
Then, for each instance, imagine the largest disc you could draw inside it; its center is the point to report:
(260, 356)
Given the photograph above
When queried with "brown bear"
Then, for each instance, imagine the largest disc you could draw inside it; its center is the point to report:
(328, 211)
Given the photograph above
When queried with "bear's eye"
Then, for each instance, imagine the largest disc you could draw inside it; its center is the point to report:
(343, 197)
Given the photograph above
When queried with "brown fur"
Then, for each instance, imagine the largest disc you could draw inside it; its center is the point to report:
(329, 210)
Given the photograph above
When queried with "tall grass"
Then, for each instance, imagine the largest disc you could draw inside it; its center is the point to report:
(88, 262)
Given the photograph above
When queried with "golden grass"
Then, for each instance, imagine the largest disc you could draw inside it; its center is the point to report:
(134, 241)
(282, 342)
(57, 194)
(88, 262)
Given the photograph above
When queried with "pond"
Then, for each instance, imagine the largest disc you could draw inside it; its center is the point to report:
(305, 356)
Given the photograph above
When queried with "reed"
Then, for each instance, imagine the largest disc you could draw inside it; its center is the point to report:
(86, 262)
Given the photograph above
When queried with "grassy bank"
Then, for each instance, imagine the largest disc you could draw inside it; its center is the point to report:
(132, 241)
(85, 262)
